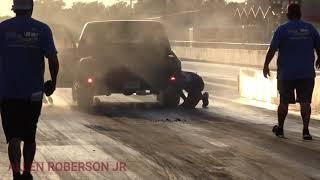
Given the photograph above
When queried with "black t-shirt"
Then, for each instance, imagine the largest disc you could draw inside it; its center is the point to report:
(192, 82)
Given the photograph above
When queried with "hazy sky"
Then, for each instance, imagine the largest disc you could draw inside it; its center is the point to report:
(5, 5)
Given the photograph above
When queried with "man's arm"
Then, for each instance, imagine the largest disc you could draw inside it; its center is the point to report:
(50, 86)
(318, 59)
(50, 53)
(269, 57)
(316, 39)
(53, 67)
(274, 46)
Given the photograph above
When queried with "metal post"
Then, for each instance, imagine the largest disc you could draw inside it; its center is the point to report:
(191, 36)
(131, 4)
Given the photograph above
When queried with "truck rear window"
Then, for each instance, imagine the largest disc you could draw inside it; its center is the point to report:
(124, 32)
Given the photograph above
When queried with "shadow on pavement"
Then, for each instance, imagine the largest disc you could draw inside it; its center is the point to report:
(153, 110)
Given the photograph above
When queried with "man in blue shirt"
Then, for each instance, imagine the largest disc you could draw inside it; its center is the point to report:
(296, 42)
(24, 44)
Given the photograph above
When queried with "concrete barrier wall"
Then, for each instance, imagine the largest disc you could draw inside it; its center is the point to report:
(253, 85)
(243, 57)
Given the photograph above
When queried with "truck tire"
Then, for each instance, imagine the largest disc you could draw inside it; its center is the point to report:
(169, 98)
(82, 96)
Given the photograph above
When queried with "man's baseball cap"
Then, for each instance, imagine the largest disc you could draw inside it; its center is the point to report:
(294, 9)
(22, 5)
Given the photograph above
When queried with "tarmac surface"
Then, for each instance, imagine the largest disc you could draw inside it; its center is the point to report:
(132, 137)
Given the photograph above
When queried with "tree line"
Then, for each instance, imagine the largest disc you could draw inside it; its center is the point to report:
(74, 17)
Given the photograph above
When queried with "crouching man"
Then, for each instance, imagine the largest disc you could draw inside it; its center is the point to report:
(193, 84)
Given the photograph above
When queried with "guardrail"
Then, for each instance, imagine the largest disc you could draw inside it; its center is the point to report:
(240, 54)
(220, 45)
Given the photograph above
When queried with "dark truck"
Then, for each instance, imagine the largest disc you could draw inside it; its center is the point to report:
(125, 57)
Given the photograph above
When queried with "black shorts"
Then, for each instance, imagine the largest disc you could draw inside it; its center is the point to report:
(302, 87)
(192, 100)
(20, 119)
(194, 90)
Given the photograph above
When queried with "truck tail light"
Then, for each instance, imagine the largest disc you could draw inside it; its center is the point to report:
(173, 78)
(90, 80)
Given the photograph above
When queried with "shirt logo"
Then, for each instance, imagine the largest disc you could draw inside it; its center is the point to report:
(299, 34)
(22, 39)
(31, 36)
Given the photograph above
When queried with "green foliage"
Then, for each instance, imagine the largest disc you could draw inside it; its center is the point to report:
(74, 17)
(45, 9)
(156, 7)
(120, 10)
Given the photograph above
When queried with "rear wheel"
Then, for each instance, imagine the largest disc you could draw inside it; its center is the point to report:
(169, 98)
(82, 96)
